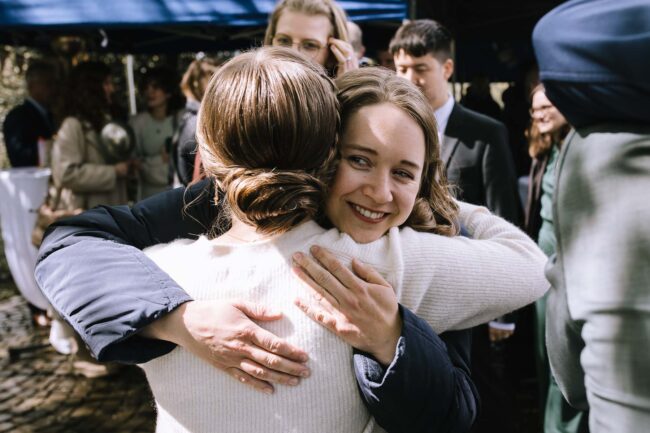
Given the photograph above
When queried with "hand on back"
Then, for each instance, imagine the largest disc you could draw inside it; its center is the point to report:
(358, 305)
(223, 333)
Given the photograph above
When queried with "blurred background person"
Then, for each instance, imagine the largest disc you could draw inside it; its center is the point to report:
(79, 156)
(546, 134)
(184, 156)
(478, 98)
(316, 28)
(356, 40)
(155, 127)
(516, 107)
(385, 59)
(82, 176)
(28, 126)
(32, 120)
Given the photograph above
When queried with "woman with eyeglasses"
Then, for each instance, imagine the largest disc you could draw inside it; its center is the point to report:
(316, 28)
(547, 130)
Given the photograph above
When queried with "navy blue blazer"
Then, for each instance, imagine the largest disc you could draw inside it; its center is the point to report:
(22, 127)
(108, 291)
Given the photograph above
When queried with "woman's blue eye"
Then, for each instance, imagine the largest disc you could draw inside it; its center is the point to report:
(404, 174)
(357, 160)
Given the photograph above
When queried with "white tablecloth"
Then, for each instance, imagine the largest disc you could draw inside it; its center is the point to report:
(22, 191)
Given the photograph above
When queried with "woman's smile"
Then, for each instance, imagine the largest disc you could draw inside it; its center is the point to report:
(378, 178)
(368, 215)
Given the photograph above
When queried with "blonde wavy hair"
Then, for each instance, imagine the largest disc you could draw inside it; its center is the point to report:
(267, 126)
(327, 8)
(196, 75)
(435, 209)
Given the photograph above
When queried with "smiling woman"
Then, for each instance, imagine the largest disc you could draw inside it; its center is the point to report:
(376, 183)
(274, 183)
(390, 173)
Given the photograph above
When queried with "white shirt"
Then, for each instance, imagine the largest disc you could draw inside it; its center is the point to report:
(442, 115)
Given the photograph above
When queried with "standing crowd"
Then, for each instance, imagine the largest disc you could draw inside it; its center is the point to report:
(349, 243)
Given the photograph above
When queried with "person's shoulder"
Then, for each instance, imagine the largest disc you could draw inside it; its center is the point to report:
(19, 111)
(179, 249)
(409, 236)
(310, 232)
(140, 119)
(477, 119)
(71, 123)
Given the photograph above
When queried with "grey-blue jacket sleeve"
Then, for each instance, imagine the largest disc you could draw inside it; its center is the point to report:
(92, 271)
(427, 387)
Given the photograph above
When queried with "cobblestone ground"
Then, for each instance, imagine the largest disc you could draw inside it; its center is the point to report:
(39, 392)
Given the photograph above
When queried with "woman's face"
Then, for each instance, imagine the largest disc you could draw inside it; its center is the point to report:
(109, 88)
(548, 118)
(378, 178)
(306, 33)
(155, 95)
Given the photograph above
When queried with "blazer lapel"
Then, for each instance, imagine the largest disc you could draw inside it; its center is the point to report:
(450, 137)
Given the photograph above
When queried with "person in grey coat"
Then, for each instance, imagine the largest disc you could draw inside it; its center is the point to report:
(594, 63)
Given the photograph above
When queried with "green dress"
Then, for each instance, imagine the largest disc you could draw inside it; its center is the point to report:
(559, 416)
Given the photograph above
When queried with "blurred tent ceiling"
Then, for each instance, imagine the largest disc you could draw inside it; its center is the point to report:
(155, 26)
(493, 36)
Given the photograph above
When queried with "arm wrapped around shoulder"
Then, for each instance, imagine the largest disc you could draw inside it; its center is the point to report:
(458, 282)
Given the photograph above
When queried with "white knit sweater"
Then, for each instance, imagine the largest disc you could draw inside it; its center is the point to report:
(453, 283)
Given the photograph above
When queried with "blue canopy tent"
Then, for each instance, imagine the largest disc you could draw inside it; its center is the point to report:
(148, 26)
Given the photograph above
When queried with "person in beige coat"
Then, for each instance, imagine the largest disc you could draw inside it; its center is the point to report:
(84, 174)
(80, 166)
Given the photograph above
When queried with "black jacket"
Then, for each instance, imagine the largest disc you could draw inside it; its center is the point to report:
(22, 127)
(108, 291)
(479, 163)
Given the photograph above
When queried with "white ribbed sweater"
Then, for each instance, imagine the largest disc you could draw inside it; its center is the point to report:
(453, 283)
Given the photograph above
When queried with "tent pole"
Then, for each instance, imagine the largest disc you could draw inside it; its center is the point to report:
(413, 9)
(131, 84)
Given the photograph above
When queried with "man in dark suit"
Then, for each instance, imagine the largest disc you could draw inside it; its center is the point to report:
(31, 120)
(480, 167)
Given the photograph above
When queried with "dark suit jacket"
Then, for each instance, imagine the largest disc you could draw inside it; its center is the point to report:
(478, 162)
(22, 127)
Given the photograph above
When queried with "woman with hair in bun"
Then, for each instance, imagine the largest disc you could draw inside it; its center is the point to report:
(266, 138)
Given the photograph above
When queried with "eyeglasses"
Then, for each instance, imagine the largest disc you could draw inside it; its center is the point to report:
(309, 47)
(540, 110)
